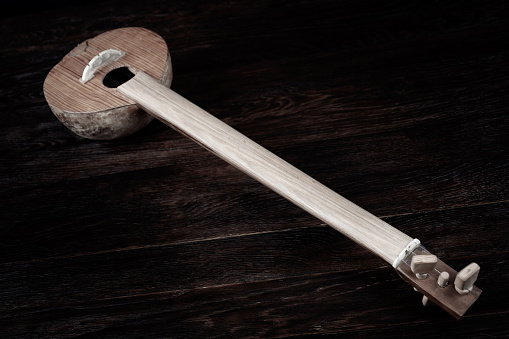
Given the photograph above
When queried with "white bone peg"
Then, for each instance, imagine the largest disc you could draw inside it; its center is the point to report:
(466, 277)
(426, 302)
(98, 61)
(443, 279)
(423, 264)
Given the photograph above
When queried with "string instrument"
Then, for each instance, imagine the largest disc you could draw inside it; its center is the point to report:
(114, 84)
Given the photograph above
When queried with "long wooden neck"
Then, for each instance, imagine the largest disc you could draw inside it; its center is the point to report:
(390, 244)
(356, 223)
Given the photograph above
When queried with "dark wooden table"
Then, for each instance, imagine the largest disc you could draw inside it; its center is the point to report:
(401, 107)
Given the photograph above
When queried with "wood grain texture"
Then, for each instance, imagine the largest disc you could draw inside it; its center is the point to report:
(88, 108)
(244, 154)
(97, 237)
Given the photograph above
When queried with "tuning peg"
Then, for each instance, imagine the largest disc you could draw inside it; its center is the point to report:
(443, 279)
(466, 277)
(426, 302)
(421, 265)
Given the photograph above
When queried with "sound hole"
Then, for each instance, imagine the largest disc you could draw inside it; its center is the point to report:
(117, 77)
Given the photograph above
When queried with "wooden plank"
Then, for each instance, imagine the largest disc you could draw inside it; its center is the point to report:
(348, 303)
(102, 208)
(226, 260)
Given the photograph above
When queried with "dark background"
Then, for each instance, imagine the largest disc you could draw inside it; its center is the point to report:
(399, 106)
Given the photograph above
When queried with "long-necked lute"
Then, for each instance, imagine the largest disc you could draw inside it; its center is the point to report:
(115, 83)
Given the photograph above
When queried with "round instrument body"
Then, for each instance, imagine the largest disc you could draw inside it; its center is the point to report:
(91, 109)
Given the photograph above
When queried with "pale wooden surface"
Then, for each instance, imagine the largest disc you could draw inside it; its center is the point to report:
(356, 223)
